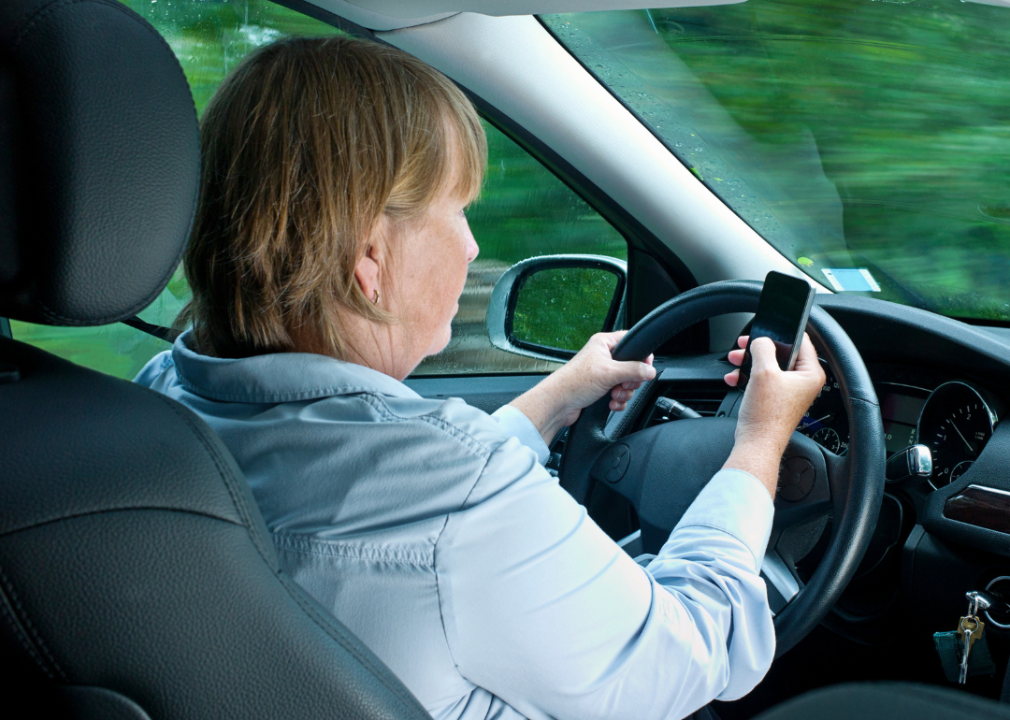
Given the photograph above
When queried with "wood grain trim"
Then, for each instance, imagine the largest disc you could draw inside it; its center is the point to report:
(980, 506)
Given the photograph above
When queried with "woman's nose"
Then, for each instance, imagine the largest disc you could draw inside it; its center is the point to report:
(471, 247)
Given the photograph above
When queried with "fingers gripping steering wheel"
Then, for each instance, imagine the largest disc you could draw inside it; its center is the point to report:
(662, 469)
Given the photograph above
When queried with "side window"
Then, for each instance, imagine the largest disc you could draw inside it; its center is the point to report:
(523, 209)
(209, 38)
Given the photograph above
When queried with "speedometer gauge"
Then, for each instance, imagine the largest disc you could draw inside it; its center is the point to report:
(956, 423)
(828, 438)
(826, 421)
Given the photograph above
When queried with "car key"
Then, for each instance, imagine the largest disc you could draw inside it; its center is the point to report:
(964, 652)
(970, 629)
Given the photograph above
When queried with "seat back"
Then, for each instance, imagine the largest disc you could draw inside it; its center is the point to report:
(137, 578)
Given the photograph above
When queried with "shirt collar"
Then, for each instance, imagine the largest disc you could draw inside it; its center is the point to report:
(276, 377)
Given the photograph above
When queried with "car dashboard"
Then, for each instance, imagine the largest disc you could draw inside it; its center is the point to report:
(951, 415)
(940, 383)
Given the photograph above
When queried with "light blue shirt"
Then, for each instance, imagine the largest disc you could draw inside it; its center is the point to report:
(436, 535)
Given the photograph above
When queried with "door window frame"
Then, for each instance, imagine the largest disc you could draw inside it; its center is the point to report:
(639, 238)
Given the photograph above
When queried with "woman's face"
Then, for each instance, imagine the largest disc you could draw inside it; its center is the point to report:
(433, 252)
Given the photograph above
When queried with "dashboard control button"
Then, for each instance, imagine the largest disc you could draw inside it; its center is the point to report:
(796, 479)
(615, 462)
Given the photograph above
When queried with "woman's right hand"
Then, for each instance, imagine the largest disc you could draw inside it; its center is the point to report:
(560, 398)
(773, 404)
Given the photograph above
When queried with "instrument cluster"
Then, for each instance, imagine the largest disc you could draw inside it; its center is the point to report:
(954, 419)
(826, 421)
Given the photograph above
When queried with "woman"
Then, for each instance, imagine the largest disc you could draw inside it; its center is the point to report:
(327, 258)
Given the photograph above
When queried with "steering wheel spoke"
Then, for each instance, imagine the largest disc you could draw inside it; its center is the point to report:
(780, 578)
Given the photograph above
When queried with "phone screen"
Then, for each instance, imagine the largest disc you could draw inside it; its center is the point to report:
(782, 316)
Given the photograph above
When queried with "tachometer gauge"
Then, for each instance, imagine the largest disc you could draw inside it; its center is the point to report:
(956, 423)
(960, 469)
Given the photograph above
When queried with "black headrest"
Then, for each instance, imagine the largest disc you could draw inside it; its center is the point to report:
(99, 161)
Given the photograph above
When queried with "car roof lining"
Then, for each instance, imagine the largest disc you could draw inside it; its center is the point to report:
(381, 15)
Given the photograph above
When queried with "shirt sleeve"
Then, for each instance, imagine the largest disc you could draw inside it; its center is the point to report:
(542, 609)
(515, 424)
(719, 545)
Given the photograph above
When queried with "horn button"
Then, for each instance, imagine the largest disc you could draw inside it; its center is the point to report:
(662, 469)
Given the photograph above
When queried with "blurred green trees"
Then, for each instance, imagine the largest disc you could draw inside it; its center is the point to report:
(850, 133)
(579, 297)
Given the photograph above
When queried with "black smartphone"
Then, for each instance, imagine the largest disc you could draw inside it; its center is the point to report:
(782, 316)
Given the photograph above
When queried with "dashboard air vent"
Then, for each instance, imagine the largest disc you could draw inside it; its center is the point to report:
(705, 402)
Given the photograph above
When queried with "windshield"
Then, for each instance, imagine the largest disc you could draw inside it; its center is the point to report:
(867, 141)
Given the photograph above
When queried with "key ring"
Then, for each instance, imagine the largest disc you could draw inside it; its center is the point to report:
(977, 601)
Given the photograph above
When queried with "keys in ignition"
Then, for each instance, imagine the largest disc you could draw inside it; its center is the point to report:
(970, 629)
(977, 601)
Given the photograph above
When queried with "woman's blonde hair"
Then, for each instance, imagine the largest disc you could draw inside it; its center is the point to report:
(305, 145)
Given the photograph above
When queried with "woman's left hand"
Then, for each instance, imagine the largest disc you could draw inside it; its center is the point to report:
(558, 400)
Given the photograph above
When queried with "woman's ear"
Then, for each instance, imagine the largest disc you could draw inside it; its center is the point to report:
(370, 266)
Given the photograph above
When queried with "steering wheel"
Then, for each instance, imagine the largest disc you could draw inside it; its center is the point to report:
(662, 469)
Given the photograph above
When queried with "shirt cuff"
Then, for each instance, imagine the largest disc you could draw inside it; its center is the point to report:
(736, 503)
(514, 424)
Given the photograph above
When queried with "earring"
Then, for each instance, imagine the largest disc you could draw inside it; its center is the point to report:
(376, 300)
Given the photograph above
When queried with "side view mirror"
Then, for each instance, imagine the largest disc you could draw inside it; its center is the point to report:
(547, 307)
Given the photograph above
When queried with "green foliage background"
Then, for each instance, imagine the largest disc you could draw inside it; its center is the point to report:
(849, 133)
(580, 296)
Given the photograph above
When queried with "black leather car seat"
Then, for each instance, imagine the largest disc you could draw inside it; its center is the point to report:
(137, 578)
(887, 701)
